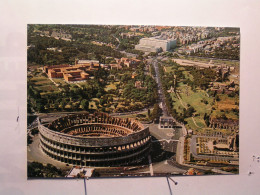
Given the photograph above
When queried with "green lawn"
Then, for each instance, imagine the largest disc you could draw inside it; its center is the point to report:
(43, 84)
(47, 88)
(200, 122)
(191, 124)
(177, 105)
(40, 80)
(226, 106)
(195, 98)
(59, 81)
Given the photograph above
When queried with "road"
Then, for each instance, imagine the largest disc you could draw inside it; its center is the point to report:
(179, 138)
(163, 104)
(32, 126)
(160, 91)
(117, 41)
(34, 153)
(180, 150)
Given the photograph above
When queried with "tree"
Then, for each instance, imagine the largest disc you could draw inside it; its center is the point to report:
(84, 104)
(40, 107)
(63, 104)
(156, 113)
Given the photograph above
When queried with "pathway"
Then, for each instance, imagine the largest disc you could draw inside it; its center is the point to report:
(195, 123)
(178, 96)
(186, 108)
(57, 85)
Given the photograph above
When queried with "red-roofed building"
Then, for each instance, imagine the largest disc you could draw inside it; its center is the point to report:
(78, 72)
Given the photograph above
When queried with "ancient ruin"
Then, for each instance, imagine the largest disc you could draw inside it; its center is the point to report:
(95, 140)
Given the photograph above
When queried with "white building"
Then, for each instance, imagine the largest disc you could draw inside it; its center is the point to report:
(155, 44)
(87, 61)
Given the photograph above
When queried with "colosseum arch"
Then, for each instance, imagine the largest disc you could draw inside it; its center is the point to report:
(95, 140)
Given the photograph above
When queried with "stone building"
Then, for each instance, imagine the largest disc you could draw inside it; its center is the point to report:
(221, 123)
(71, 73)
(155, 44)
(95, 140)
(166, 122)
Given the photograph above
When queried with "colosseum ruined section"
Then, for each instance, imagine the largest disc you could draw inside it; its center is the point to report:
(97, 140)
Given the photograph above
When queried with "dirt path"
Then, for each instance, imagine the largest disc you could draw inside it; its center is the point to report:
(195, 123)
(57, 85)
(178, 96)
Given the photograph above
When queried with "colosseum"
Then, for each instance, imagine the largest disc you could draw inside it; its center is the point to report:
(97, 140)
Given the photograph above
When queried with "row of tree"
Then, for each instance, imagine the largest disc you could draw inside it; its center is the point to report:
(36, 169)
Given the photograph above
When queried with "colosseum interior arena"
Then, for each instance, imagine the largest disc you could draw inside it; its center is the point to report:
(96, 140)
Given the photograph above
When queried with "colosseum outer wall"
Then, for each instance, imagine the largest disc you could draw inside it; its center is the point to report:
(96, 151)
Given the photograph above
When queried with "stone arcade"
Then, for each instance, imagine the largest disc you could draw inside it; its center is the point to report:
(95, 140)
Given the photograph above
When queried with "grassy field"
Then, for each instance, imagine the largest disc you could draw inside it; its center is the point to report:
(43, 84)
(177, 104)
(202, 104)
(40, 80)
(199, 100)
(191, 124)
(200, 121)
(59, 81)
(195, 59)
(196, 99)
(226, 105)
(47, 88)
(226, 62)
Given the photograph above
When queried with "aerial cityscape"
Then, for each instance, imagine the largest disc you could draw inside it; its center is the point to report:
(132, 100)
